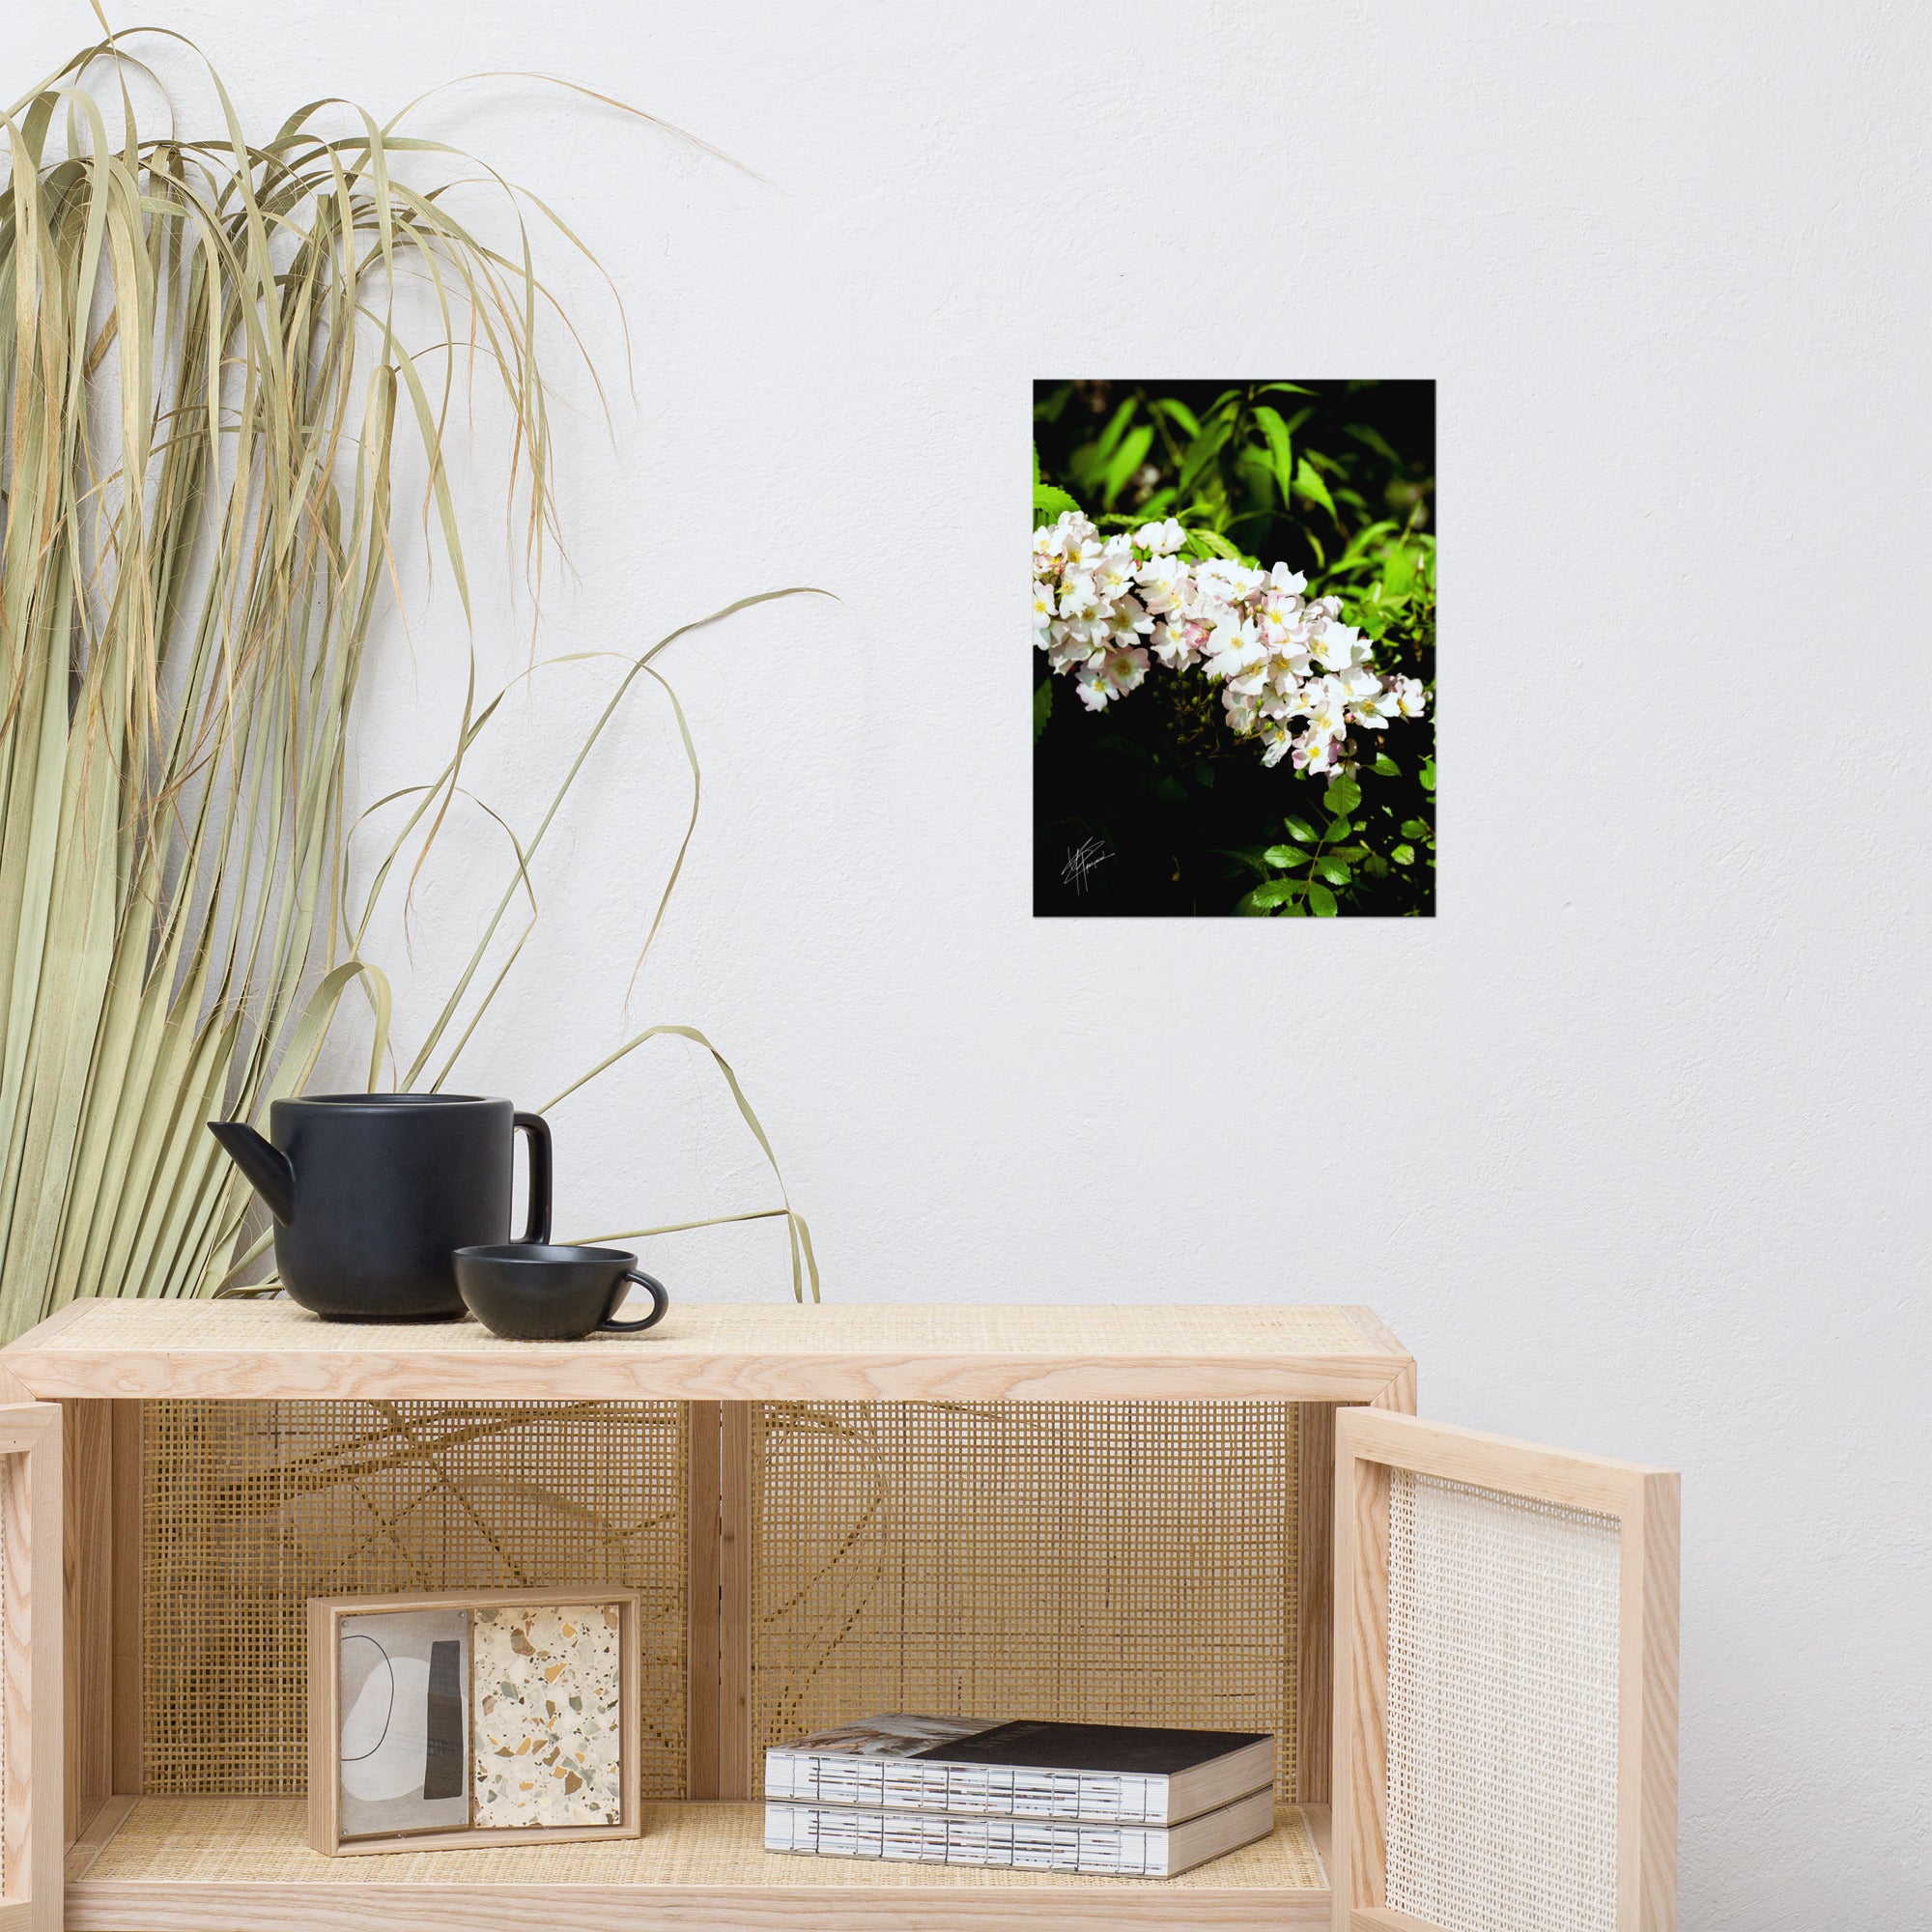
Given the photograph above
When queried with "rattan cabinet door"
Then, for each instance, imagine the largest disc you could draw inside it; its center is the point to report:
(30, 1668)
(1505, 1685)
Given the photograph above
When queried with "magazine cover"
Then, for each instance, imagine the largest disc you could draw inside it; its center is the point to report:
(897, 1734)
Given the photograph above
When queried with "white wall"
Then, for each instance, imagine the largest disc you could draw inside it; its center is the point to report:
(1630, 1143)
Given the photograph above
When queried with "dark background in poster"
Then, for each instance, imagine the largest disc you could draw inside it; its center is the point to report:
(1172, 813)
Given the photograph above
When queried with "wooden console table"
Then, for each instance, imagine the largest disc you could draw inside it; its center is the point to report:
(141, 1860)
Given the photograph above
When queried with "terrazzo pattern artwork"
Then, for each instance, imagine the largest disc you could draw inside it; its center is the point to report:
(548, 1722)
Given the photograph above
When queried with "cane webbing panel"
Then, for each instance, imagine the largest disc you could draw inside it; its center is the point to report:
(208, 1842)
(1502, 1710)
(1129, 1562)
(250, 1508)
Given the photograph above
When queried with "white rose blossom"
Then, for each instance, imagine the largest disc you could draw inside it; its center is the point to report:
(1290, 672)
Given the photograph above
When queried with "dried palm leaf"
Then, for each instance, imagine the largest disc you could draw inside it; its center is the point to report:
(206, 380)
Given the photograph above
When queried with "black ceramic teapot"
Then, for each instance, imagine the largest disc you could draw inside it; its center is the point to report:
(373, 1192)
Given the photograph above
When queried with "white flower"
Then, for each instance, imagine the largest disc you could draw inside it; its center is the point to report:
(1164, 584)
(1160, 539)
(1110, 676)
(1102, 609)
(1315, 755)
(1071, 648)
(1280, 618)
(1114, 572)
(1239, 658)
(1361, 690)
(1178, 644)
(1325, 703)
(1339, 647)
(1071, 533)
(1242, 712)
(1225, 580)
(1043, 609)
(1080, 549)
(1127, 621)
(1286, 669)
(1123, 669)
(1278, 740)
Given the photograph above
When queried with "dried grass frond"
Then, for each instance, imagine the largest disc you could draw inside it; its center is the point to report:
(208, 381)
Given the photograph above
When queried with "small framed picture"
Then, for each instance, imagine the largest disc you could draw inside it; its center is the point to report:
(477, 1718)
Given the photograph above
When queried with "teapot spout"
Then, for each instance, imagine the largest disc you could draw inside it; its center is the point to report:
(266, 1166)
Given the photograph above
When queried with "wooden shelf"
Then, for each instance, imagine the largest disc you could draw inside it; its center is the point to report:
(239, 1864)
(734, 1352)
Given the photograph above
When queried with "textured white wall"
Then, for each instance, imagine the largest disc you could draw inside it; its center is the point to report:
(1630, 1143)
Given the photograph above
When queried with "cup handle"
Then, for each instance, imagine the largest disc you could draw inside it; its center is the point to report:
(659, 1300)
(538, 1128)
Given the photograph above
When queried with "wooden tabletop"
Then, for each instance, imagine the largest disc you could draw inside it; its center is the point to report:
(725, 1353)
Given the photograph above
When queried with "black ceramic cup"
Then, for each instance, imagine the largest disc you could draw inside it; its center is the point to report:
(529, 1291)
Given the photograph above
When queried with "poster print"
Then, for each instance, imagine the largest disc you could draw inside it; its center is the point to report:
(1233, 649)
(548, 1717)
(405, 1733)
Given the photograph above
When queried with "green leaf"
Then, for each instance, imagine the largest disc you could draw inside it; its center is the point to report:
(1342, 796)
(1427, 775)
(1415, 828)
(1404, 855)
(1203, 772)
(1285, 856)
(1278, 892)
(1128, 458)
(1398, 573)
(1172, 790)
(1248, 855)
(1283, 389)
(1281, 451)
(1332, 869)
(1362, 541)
(1211, 542)
(1117, 428)
(1042, 704)
(1321, 900)
(1312, 487)
(1047, 501)
(1202, 450)
(1300, 827)
(1385, 766)
(1179, 415)
(1378, 442)
(1337, 830)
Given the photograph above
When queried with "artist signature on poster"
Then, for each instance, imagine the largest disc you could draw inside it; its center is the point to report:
(1082, 863)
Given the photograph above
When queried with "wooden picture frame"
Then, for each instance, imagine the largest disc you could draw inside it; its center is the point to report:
(325, 1617)
(1369, 1446)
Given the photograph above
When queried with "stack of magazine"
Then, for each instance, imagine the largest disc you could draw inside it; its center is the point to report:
(1112, 1800)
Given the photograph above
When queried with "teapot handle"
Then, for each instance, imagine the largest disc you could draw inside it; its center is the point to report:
(538, 1128)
